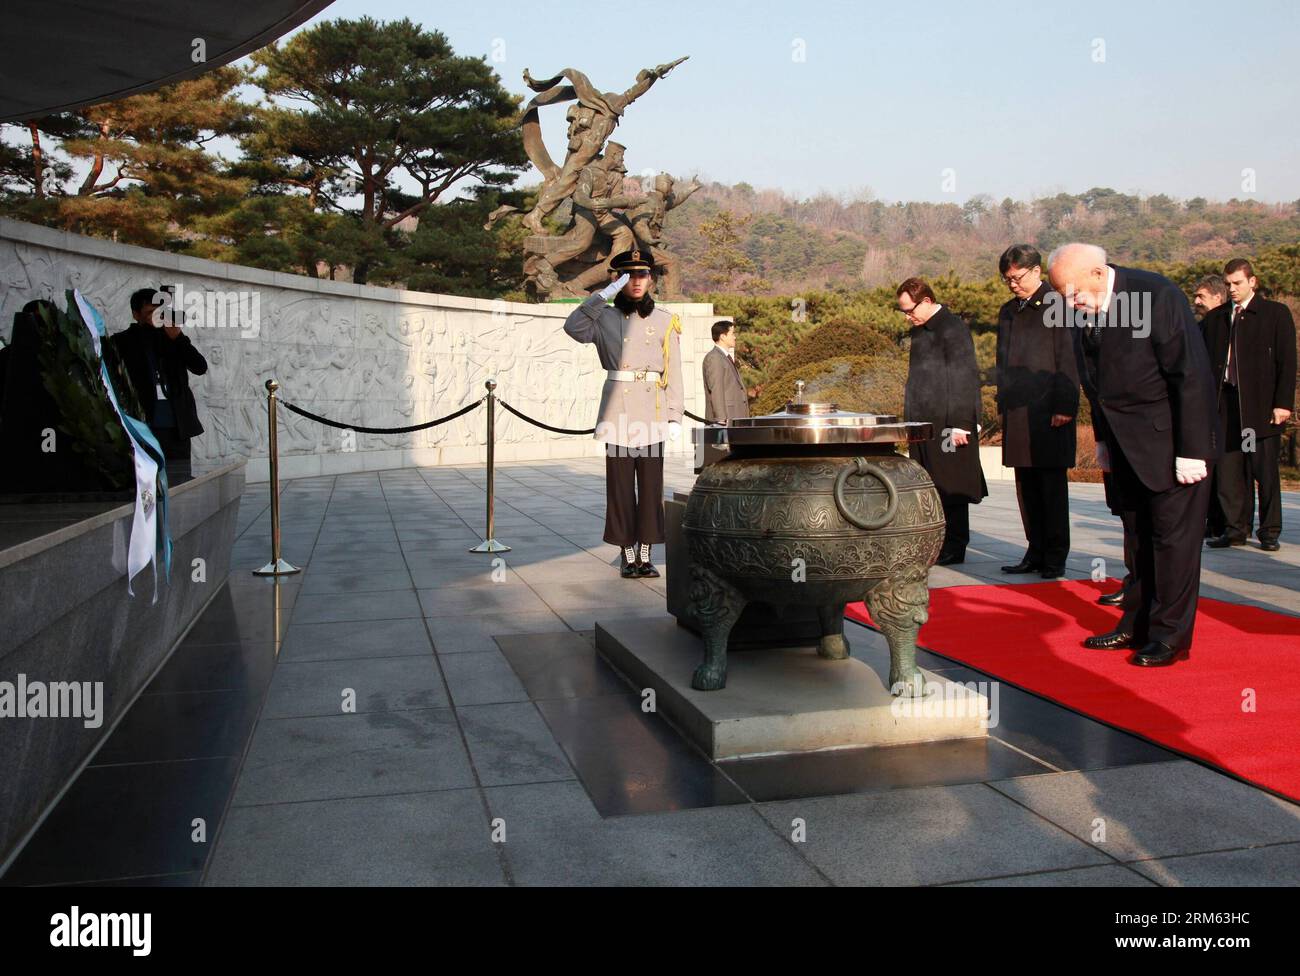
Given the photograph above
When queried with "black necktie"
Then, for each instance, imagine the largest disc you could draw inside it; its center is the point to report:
(1232, 345)
(1098, 323)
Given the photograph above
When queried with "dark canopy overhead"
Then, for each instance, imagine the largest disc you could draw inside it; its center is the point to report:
(64, 54)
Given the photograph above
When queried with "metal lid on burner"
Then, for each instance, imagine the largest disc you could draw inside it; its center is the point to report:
(804, 422)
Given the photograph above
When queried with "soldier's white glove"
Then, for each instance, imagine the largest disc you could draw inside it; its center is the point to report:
(1188, 471)
(1103, 456)
(614, 287)
(674, 430)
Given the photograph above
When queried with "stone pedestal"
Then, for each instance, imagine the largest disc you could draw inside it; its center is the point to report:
(786, 699)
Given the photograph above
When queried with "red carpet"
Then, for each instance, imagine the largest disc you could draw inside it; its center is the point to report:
(1029, 635)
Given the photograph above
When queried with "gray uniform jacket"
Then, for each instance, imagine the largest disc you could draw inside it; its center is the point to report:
(633, 413)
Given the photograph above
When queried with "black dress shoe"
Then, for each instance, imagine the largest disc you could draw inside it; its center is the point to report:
(1270, 545)
(1111, 599)
(628, 571)
(1109, 641)
(1158, 655)
(1224, 541)
(646, 569)
(950, 559)
(1054, 573)
(1024, 566)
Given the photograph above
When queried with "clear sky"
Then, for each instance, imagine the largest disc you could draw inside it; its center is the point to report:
(1148, 96)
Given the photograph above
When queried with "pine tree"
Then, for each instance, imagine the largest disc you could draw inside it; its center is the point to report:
(723, 260)
(383, 112)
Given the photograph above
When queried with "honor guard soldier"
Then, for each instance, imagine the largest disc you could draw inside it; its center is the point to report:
(640, 405)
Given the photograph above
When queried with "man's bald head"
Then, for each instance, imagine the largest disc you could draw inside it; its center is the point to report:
(1078, 271)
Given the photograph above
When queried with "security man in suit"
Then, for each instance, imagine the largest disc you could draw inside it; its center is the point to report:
(724, 391)
(1252, 345)
(640, 405)
(1147, 376)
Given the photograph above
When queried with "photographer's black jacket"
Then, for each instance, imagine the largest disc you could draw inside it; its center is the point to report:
(176, 359)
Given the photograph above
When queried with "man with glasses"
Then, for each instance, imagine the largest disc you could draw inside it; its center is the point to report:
(943, 389)
(640, 405)
(1038, 397)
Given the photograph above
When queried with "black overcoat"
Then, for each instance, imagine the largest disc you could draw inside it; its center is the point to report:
(1266, 359)
(943, 389)
(1037, 377)
(176, 359)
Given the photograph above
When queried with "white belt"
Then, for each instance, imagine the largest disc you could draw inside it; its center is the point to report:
(633, 376)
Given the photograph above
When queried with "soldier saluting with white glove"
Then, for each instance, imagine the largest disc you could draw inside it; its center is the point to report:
(640, 406)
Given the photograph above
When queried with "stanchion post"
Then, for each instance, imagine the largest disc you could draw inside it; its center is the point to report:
(489, 543)
(277, 566)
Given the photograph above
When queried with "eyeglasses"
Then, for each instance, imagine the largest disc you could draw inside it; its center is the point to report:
(909, 312)
(1016, 279)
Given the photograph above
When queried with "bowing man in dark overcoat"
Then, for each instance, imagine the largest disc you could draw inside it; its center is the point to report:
(1038, 399)
(1147, 375)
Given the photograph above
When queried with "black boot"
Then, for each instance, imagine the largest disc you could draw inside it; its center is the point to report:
(645, 568)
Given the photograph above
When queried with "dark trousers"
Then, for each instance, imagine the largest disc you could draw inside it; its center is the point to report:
(1129, 521)
(1169, 529)
(1240, 471)
(634, 494)
(1044, 498)
(1215, 524)
(956, 533)
(176, 451)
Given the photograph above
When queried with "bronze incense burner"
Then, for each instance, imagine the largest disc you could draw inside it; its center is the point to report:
(813, 507)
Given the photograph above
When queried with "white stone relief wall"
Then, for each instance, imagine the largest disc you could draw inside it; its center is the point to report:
(378, 357)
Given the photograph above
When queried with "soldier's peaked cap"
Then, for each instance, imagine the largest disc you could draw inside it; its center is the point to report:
(634, 260)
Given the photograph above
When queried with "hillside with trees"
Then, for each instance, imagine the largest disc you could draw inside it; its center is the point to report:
(827, 242)
(371, 151)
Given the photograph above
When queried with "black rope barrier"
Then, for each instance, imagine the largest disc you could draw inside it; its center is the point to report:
(569, 430)
(538, 423)
(451, 416)
(279, 567)
(391, 430)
